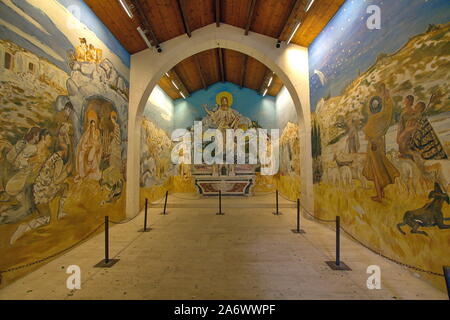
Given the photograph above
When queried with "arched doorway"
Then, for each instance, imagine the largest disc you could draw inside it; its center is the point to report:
(290, 64)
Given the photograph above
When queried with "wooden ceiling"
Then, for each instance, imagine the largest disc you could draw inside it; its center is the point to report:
(204, 69)
(167, 19)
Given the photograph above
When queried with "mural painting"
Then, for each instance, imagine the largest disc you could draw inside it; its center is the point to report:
(157, 169)
(288, 178)
(63, 131)
(380, 130)
(225, 106)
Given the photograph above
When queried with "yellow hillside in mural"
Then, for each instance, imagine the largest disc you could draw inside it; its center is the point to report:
(382, 154)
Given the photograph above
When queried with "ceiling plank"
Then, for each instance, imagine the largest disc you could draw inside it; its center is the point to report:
(200, 72)
(269, 73)
(199, 13)
(143, 20)
(276, 86)
(168, 88)
(182, 7)
(270, 16)
(174, 75)
(315, 20)
(297, 14)
(218, 4)
(250, 17)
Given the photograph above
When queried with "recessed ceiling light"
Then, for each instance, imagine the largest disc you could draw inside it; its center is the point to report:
(270, 81)
(184, 97)
(294, 31)
(175, 85)
(308, 6)
(265, 92)
(127, 8)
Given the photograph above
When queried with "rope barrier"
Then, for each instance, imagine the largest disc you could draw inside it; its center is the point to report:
(52, 255)
(131, 219)
(366, 246)
(390, 259)
(306, 210)
(262, 194)
(128, 220)
(181, 198)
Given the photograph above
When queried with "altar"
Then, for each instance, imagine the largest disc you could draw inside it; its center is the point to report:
(229, 179)
(238, 181)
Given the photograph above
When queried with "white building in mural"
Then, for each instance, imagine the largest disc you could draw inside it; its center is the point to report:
(18, 64)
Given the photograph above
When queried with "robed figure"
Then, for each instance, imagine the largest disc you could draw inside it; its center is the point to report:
(377, 167)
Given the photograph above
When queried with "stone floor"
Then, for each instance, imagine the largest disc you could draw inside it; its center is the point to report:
(248, 253)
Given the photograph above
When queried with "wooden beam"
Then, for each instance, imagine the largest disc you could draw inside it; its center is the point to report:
(218, 13)
(142, 18)
(297, 13)
(265, 81)
(181, 6)
(250, 17)
(222, 69)
(179, 82)
(200, 72)
(243, 71)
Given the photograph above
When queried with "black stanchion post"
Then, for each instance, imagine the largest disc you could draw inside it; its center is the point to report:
(220, 213)
(106, 263)
(106, 240)
(338, 264)
(277, 212)
(447, 279)
(165, 203)
(145, 214)
(145, 229)
(338, 240)
(298, 230)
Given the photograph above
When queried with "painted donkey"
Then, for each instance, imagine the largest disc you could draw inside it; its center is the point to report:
(428, 216)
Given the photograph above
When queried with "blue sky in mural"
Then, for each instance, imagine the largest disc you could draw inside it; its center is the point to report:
(50, 35)
(246, 101)
(54, 38)
(88, 18)
(347, 46)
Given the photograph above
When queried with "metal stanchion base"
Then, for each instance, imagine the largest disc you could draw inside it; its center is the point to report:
(298, 231)
(104, 264)
(341, 267)
(447, 278)
(147, 230)
(164, 214)
(277, 214)
(220, 213)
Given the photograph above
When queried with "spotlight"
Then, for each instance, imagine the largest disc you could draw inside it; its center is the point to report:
(127, 8)
(297, 25)
(278, 44)
(158, 48)
(144, 37)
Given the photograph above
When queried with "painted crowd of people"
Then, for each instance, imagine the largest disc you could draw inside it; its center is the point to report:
(35, 170)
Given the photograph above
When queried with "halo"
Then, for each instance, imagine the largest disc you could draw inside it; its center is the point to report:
(227, 95)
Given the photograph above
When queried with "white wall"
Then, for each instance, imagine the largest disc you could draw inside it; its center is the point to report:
(285, 109)
(160, 109)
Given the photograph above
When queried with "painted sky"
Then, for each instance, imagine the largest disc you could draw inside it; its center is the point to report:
(347, 46)
(246, 101)
(27, 24)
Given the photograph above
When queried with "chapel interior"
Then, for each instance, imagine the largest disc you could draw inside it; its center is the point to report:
(224, 149)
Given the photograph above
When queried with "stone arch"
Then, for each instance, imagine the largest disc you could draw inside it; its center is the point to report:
(289, 63)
